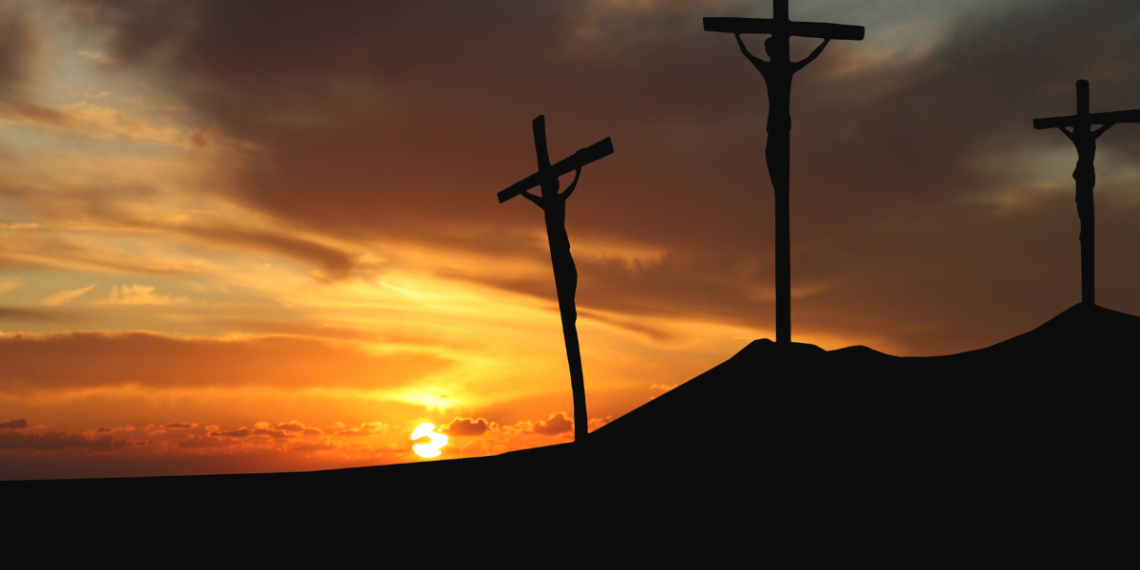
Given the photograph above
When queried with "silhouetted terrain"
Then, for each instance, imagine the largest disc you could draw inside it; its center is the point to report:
(1035, 430)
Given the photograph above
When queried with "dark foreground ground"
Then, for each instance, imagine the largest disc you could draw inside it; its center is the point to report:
(1034, 438)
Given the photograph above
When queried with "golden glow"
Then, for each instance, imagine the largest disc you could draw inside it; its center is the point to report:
(432, 448)
(258, 280)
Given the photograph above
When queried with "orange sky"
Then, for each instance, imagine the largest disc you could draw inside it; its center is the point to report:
(263, 235)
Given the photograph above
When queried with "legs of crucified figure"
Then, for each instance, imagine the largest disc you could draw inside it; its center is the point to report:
(1085, 178)
(566, 282)
(1087, 215)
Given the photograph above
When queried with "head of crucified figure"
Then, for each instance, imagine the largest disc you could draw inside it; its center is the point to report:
(777, 49)
(550, 188)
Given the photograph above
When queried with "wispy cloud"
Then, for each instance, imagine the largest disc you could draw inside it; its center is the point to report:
(140, 295)
(65, 296)
(366, 428)
(98, 56)
(34, 362)
(104, 123)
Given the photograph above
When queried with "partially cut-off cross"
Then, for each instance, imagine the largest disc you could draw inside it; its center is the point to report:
(777, 72)
(1084, 138)
(553, 206)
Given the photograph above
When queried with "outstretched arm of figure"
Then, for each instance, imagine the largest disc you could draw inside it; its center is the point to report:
(537, 201)
(759, 63)
(573, 185)
(1068, 134)
(813, 55)
(1096, 134)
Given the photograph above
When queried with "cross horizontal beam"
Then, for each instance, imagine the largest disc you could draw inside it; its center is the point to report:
(573, 162)
(1131, 116)
(784, 28)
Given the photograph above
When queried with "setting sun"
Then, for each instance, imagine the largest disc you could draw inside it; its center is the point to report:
(432, 448)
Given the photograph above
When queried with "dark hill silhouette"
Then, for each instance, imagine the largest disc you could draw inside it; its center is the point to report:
(1076, 373)
(1033, 432)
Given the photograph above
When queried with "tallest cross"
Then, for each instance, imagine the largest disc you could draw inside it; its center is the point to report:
(777, 71)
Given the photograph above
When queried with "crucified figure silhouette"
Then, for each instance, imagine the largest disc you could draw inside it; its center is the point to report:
(1085, 173)
(553, 207)
(778, 70)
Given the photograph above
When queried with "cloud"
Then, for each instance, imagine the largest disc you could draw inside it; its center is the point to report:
(653, 333)
(469, 427)
(319, 446)
(65, 296)
(556, 424)
(140, 295)
(274, 433)
(302, 329)
(371, 198)
(14, 424)
(180, 425)
(519, 428)
(596, 423)
(89, 120)
(98, 57)
(367, 428)
(17, 47)
(242, 432)
(58, 440)
(369, 138)
(332, 264)
(28, 315)
(84, 360)
(293, 426)
(196, 442)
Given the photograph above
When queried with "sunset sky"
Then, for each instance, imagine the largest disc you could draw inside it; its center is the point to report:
(262, 235)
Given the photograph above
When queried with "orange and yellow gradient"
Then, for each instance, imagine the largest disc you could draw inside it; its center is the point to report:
(154, 323)
(234, 243)
(153, 320)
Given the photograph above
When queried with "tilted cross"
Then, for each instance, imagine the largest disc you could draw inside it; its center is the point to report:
(553, 206)
(546, 170)
(777, 72)
(1084, 138)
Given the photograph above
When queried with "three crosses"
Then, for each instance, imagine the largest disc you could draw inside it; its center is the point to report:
(777, 72)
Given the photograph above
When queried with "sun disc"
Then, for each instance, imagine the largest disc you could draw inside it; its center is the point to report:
(430, 449)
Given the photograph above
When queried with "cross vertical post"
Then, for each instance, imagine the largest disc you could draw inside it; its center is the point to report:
(780, 10)
(1086, 207)
(777, 72)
